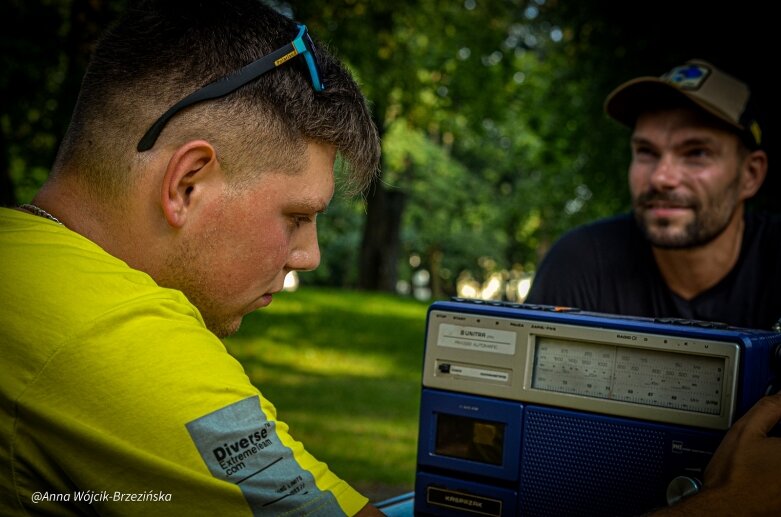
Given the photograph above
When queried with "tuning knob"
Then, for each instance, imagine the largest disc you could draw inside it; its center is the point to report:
(682, 487)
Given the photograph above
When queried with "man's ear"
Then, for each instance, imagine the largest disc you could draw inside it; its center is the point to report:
(754, 170)
(192, 168)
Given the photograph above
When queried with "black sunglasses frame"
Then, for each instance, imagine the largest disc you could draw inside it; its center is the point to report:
(301, 45)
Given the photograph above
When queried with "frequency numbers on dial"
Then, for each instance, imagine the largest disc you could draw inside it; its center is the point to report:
(641, 376)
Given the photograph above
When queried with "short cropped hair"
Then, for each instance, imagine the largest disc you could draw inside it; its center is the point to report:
(162, 50)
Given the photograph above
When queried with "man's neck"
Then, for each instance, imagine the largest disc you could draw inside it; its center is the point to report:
(131, 232)
(690, 272)
(79, 212)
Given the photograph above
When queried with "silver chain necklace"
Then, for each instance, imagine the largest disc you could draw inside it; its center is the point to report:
(39, 212)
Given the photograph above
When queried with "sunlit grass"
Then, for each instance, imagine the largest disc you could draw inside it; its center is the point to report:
(343, 370)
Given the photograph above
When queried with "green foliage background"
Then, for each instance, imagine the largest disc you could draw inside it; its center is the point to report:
(490, 110)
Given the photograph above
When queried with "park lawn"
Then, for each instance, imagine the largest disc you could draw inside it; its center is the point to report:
(343, 369)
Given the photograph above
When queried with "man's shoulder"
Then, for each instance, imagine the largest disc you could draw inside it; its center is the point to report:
(582, 266)
(604, 244)
(763, 224)
(616, 229)
(624, 223)
(761, 237)
(63, 285)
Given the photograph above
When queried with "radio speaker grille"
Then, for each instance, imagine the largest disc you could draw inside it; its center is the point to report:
(582, 465)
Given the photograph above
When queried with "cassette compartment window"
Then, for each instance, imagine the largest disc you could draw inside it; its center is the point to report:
(470, 439)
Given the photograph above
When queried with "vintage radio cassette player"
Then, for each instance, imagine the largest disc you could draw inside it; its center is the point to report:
(549, 411)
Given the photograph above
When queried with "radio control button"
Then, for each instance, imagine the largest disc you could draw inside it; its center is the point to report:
(680, 488)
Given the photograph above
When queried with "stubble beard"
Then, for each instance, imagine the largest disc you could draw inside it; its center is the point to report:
(709, 221)
(182, 273)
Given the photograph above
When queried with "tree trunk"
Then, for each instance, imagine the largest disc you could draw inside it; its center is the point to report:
(7, 194)
(378, 260)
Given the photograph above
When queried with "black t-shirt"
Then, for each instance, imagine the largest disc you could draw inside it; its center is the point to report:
(608, 266)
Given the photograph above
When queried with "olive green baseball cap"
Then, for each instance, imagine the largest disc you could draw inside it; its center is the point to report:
(711, 89)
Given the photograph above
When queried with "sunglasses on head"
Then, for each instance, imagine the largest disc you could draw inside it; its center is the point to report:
(301, 45)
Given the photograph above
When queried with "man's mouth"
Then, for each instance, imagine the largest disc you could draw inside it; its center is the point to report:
(666, 210)
(264, 301)
(664, 205)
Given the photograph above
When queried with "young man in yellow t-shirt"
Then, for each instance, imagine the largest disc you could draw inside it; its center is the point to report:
(200, 152)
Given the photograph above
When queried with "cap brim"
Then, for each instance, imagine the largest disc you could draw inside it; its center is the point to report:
(626, 102)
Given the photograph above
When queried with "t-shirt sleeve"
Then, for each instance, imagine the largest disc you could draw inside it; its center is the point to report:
(568, 275)
(147, 405)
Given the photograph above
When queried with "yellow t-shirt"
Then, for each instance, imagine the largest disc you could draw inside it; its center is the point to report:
(116, 400)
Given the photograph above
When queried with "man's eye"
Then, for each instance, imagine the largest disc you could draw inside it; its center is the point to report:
(698, 152)
(299, 220)
(644, 152)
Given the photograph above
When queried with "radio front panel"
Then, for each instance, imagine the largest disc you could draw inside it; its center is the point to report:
(664, 378)
(535, 411)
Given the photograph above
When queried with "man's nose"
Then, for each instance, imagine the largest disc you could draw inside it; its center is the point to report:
(305, 254)
(666, 174)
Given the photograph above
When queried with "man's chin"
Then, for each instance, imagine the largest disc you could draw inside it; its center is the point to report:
(228, 325)
(665, 240)
(224, 328)
(668, 233)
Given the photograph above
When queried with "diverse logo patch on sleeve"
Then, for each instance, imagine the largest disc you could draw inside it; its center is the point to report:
(240, 445)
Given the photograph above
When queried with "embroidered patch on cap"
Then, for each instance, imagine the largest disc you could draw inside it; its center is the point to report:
(689, 77)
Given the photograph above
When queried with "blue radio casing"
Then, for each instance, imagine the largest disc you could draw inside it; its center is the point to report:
(485, 450)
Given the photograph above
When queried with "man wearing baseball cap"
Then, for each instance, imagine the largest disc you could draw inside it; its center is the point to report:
(689, 249)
